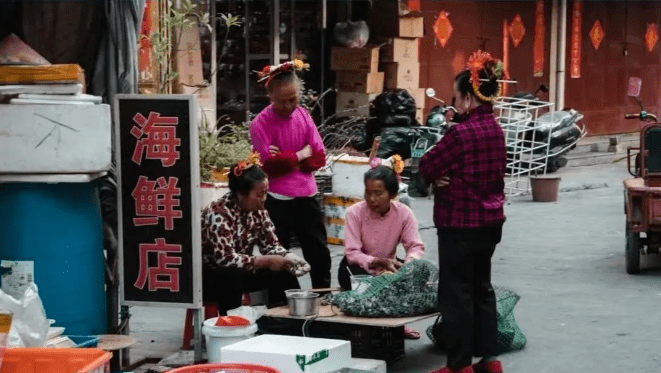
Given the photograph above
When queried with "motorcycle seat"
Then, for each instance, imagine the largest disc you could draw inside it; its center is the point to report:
(556, 120)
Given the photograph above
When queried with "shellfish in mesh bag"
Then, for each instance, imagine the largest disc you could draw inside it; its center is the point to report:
(411, 291)
(510, 337)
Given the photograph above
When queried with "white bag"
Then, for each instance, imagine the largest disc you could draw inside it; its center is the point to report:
(29, 326)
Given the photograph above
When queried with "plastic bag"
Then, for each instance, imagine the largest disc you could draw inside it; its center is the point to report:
(250, 313)
(29, 326)
(351, 34)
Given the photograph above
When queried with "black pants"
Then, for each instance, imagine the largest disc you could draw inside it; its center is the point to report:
(304, 218)
(344, 277)
(465, 296)
(226, 286)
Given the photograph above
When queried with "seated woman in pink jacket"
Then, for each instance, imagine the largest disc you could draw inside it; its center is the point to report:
(375, 227)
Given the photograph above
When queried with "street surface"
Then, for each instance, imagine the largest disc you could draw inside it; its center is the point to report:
(579, 309)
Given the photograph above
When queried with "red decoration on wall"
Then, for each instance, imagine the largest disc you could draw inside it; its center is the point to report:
(596, 34)
(538, 46)
(443, 28)
(576, 35)
(651, 36)
(517, 30)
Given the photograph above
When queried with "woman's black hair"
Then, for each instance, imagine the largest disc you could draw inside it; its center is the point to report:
(284, 78)
(387, 175)
(487, 88)
(244, 183)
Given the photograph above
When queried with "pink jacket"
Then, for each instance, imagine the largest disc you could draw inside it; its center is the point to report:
(287, 176)
(370, 235)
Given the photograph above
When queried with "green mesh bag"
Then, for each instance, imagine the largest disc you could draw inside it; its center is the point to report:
(510, 337)
(409, 292)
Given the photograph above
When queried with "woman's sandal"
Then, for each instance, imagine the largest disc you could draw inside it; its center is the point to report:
(410, 333)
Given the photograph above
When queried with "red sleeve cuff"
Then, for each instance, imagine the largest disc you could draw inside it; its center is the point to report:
(316, 161)
(281, 164)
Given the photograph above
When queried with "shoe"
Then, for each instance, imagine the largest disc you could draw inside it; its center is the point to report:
(493, 366)
(410, 333)
(468, 369)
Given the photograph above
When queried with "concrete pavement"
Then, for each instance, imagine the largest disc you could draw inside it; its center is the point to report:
(579, 309)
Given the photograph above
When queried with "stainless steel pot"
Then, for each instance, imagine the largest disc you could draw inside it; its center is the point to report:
(303, 303)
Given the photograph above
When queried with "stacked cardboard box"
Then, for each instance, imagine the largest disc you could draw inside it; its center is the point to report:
(358, 79)
(401, 34)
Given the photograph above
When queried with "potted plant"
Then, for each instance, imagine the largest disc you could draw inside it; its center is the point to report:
(220, 148)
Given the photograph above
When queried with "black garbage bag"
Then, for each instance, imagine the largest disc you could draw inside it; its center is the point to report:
(351, 34)
(394, 108)
(390, 110)
(396, 140)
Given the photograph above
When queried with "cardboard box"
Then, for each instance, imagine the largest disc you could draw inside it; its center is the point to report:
(402, 75)
(353, 81)
(290, 354)
(394, 20)
(350, 104)
(419, 97)
(335, 212)
(189, 57)
(364, 59)
(400, 50)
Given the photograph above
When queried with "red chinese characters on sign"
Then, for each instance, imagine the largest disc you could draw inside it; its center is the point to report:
(538, 47)
(443, 28)
(576, 36)
(651, 36)
(596, 34)
(152, 202)
(517, 30)
(161, 141)
(163, 275)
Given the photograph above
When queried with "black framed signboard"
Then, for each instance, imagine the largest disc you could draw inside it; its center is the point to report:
(156, 149)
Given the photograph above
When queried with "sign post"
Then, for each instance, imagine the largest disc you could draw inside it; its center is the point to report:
(157, 158)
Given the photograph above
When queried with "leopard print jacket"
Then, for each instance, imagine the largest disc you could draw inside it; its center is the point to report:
(229, 235)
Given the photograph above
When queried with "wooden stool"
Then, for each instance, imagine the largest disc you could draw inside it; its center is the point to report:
(210, 310)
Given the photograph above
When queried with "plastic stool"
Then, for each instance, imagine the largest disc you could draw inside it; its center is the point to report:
(210, 310)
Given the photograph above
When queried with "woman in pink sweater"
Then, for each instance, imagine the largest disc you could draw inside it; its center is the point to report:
(375, 227)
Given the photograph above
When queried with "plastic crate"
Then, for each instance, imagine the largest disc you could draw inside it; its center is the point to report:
(227, 368)
(56, 360)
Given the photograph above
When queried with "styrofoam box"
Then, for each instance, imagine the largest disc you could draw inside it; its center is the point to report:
(290, 354)
(348, 176)
(55, 139)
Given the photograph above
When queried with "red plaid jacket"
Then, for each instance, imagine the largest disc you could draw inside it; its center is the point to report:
(474, 156)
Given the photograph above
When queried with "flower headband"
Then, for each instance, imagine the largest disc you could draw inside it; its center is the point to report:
(269, 72)
(494, 69)
(395, 162)
(252, 160)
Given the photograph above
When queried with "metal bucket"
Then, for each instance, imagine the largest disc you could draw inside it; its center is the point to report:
(303, 303)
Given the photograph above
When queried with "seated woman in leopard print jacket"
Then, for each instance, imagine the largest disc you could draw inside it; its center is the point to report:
(231, 227)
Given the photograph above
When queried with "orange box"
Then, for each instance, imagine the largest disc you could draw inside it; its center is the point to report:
(56, 360)
(42, 74)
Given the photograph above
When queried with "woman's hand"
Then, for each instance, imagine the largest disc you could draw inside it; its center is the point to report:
(274, 150)
(379, 265)
(304, 153)
(275, 263)
(442, 181)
